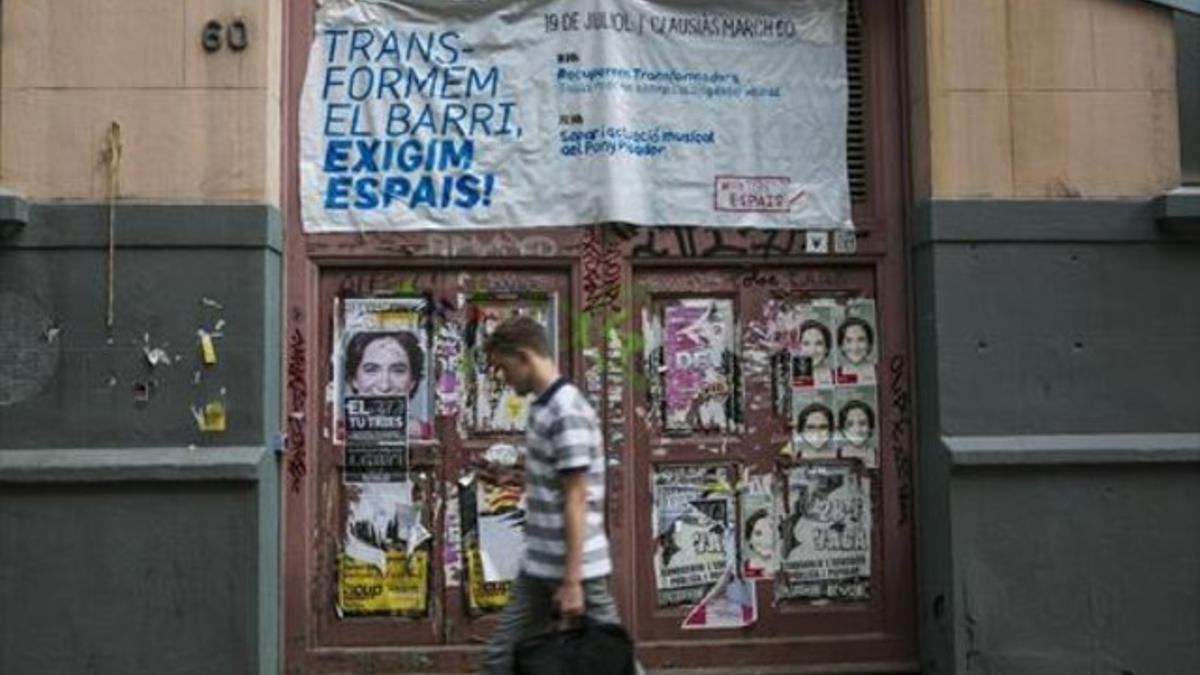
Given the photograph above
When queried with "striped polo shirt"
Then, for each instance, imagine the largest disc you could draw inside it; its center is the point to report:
(563, 436)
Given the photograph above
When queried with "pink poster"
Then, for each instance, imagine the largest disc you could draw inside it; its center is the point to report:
(697, 334)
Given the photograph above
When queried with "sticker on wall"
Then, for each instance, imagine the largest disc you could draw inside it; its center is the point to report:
(814, 423)
(376, 438)
(383, 567)
(825, 534)
(699, 382)
(448, 350)
(857, 342)
(857, 425)
(693, 530)
(757, 527)
(381, 349)
(493, 406)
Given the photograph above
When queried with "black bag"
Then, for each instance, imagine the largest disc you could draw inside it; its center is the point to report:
(591, 649)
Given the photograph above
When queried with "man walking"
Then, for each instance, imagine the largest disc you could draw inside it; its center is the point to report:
(566, 567)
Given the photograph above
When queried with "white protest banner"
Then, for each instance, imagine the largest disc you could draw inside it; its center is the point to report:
(459, 114)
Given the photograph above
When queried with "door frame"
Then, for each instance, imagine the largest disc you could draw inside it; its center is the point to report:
(618, 252)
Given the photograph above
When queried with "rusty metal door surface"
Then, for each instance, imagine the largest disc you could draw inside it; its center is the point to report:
(603, 290)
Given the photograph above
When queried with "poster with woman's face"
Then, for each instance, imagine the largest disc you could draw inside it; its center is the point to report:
(858, 423)
(814, 423)
(757, 527)
(381, 349)
(857, 342)
(805, 332)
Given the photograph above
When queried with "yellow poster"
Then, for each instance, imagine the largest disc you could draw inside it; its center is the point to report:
(404, 589)
(483, 596)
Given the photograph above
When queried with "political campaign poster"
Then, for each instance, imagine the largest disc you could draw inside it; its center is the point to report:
(383, 566)
(381, 349)
(857, 434)
(857, 342)
(699, 382)
(731, 603)
(804, 332)
(376, 438)
(825, 533)
(492, 405)
(460, 114)
(693, 530)
(814, 423)
(757, 527)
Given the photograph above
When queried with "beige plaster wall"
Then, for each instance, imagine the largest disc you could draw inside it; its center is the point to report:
(1043, 98)
(195, 126)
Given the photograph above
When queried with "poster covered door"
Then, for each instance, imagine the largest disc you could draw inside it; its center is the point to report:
(424, 114)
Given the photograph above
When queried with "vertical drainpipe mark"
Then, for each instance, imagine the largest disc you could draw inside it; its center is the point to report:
(112, 158)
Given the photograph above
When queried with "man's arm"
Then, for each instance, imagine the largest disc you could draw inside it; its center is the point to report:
(570, 596)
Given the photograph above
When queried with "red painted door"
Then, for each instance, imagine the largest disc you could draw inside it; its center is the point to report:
(690, 343)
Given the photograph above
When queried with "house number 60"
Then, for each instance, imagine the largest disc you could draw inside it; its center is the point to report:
(215, 35)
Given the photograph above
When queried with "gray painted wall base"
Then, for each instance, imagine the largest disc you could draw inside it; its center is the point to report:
(131, 541)
(1059, 391)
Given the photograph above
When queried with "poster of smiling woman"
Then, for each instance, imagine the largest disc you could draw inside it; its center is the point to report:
(857, 423)
(381, 350)
(857, 342)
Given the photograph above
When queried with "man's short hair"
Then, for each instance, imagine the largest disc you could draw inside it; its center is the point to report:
(516, 334)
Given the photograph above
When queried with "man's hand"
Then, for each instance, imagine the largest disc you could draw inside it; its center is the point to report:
(570, 600)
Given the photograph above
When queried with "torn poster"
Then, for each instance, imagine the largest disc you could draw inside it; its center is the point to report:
(825, 534)
(482, 596)
(500, 502)
(452, 558)
(813, 423)
(699, 383)
(693, 530)
(493, 405)
(857, 342)
(380, 349)
(211, 417)
(806, 331)
(383, 567)
(757, 527)
(732, 603)
(857, 423)
(448, 353)
(376, 438)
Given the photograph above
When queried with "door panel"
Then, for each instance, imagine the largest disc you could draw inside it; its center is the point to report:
(469, 413)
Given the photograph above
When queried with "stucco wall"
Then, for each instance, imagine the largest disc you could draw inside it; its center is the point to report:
(1036, 99)
(195, 126)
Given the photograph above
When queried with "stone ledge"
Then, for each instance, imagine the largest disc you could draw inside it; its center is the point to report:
(54, 225)
(71, 465)
(1178, 211)
(1036, 450)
